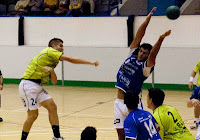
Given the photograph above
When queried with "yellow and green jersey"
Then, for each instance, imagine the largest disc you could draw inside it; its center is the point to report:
(197, 70)
(171, 124)
(47, 57)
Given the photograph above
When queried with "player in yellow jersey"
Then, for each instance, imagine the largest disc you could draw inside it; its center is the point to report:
(38, 72)
(170, 122)
(196, 108)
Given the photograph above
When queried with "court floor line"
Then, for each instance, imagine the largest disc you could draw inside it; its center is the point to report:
(49, 131)
(81, 115)
(106, 128)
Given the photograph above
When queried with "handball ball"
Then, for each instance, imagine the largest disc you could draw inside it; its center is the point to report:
(173, 12)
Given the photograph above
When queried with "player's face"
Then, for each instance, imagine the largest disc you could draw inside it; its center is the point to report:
(58, 46)
(143, 54)
(148, 101)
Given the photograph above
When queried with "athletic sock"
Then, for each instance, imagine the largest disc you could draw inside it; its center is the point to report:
(24, 135)
(56, 131)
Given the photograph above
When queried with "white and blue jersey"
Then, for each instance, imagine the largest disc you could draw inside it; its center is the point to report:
(141, 125)
(196, 94)
(130, 76)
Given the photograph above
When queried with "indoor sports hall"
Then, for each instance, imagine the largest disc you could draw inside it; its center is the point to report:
(84, 94)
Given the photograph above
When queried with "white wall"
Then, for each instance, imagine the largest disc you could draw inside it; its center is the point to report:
(9, 31)
(185, 30)
(80, 31)
(173, 65)
(175, 61)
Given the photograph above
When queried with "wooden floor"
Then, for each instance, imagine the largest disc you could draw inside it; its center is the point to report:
(78, 107)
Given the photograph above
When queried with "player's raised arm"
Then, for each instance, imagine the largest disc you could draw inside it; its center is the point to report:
(141, 31)
(78, 60)
(152, 56)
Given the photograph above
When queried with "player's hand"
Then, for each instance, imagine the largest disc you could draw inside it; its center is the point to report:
(48, 69)
(196, 103)
(1, 87)
(166, 34)
(190, 85)
(96, 63)
(151, 13)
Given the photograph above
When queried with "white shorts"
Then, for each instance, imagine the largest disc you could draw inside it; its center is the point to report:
(121, 111)
(32, 94)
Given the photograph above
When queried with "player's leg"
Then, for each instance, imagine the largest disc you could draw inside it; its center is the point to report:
(120, 113)
(28, 93)
(196, 116)
(50, 105)
(198, 133)
(31, 117)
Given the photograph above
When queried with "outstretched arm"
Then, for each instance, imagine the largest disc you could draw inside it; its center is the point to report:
(152, 56)
(78, 60)
(141, 30)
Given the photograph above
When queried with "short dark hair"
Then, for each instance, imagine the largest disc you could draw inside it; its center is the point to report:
(131, 100)
(89, 133)
(157, 96)
(54, 41)
(146, 46)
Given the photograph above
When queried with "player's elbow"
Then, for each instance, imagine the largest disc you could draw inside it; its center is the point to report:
(54, 82)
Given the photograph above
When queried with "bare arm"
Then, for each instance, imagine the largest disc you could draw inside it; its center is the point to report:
(78, 60)
(193, 74)
(193, 102)
(1, 82)
(53, 75)
(152, 56)
(141, 30)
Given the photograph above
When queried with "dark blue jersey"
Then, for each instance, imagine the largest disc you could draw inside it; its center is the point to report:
(196, 93)
(0, 73)
(141, 125)
(130, 76)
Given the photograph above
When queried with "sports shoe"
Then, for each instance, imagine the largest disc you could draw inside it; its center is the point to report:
(61, 138)
(1, 120)
(194, 126)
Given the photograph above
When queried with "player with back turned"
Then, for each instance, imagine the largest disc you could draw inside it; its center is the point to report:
(139, 124)
(171, 125)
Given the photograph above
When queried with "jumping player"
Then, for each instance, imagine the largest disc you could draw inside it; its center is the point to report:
(134, 71)
(171, 125)
(38, 72)
(139, 124)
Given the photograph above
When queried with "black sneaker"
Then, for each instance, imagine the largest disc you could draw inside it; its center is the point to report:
(1, 120)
